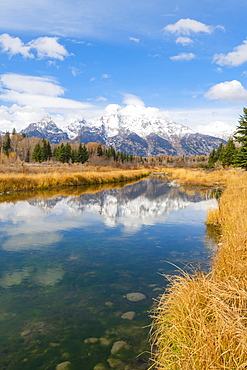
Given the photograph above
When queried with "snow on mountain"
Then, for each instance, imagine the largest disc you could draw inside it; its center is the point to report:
(135, 130)
(141, 122)
(46, 128)
(73, 127)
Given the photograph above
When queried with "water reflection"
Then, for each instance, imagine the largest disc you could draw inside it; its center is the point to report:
(36, 223)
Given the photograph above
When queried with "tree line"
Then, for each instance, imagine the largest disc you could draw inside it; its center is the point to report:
(232, 154)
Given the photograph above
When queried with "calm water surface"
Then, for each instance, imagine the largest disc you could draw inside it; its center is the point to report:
(69, 262)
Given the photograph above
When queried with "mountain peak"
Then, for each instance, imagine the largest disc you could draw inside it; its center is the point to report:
(134, 129)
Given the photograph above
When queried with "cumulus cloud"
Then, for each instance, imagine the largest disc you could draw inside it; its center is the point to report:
(49, 47)
(232, 91)
(39, 92)
(184, 40)
(14, 45)
(235, 58)
(45, 47)
(183, 56)
(189, 26)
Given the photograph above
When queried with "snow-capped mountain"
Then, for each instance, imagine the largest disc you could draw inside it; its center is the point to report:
(73, 127)
(47, 129)
(138, 133)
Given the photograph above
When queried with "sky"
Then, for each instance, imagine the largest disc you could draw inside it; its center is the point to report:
(188, 59)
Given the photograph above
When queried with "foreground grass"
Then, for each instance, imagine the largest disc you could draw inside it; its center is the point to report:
(50, 179)
(201, 322)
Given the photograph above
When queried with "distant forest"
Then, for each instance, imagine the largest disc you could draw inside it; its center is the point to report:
(16, 147)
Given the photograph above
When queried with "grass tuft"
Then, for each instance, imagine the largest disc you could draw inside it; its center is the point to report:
(201, 321)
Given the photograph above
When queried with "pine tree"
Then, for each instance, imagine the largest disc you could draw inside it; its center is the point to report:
(37, 155)
(83, 154)
(7, 143)
(227, 155)
(44, 150)
(240, 159)
(49, 151)
(61, 153)
(67, 152)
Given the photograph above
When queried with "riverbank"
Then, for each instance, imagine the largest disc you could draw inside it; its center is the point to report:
(201, 321)
(46, 177)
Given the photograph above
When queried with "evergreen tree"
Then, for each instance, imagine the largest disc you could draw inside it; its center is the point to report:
(67, 152)
(240, 159)
(44, 150)
(37, 155)
(83, 154)
(227, 155)
(219, 152)
(212, 159)
(49, 151)
(7, 143)
(61, 153)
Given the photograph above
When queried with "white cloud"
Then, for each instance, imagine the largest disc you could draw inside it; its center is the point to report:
(189, 26)
(235, 58)
(101, 98)
(31, 84)
(229, 91)
(216, 128)
(75, 71)
(48, 47)
(184, 40)
(38, 92)
(45, 47)
(183, 56)
(130, 99)
(14, 46)
(134, 39)
(105, 75)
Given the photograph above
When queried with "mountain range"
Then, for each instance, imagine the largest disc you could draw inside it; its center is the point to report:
(139, 134)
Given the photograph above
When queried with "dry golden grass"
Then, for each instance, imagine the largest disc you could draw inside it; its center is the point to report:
(201, 322)
(200, 177)
(44, 180)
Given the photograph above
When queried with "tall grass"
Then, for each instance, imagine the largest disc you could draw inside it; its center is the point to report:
(26, 181)
(201, 321)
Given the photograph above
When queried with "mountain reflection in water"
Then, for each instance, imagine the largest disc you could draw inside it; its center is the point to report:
(36, 223)
(69, 265)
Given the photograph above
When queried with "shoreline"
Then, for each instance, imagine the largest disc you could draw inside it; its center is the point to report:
(200, 321)
(16, 182)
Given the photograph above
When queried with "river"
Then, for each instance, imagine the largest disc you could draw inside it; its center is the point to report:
(71, 260)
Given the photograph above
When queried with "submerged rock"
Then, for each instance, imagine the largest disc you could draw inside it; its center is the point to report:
(100, 367)
(25, 333)
(105, 341)
(91, 340)
(118, 345)
(63, 365)
(135, 297)
(115, 363)
(128, 315)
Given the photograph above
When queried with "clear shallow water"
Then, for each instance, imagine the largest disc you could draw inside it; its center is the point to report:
(68, 262)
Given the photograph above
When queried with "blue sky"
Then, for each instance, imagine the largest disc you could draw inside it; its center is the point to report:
(186, 58)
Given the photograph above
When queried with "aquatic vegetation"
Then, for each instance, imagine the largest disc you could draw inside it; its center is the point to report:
(200, 323)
